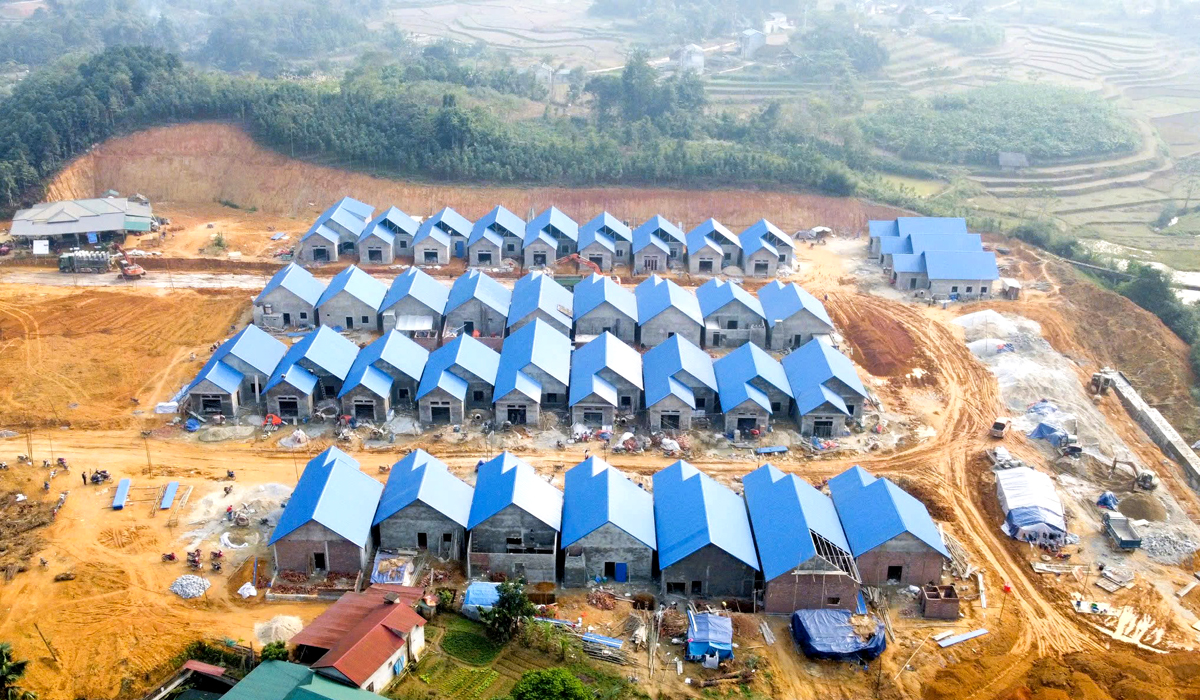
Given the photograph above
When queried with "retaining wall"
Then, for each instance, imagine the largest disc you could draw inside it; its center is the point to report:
(1159, 430)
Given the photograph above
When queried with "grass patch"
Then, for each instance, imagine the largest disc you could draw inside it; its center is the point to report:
(470, 647)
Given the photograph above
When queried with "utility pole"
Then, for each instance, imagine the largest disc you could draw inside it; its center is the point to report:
(146, 443)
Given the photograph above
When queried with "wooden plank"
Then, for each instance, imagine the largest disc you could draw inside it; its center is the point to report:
(1186, 589)
(982, 594)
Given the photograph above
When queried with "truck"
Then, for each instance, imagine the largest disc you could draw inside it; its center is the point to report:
(1121, 532)
(1000, 427)
(85, 261)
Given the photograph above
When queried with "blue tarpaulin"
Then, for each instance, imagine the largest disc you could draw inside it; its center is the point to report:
(1042, 408)
(480, 596)
(709, 634)
(775, 449)
(93, 238)
(169, 495)
(1047, 432)
(192, 425)
(828, 634)
(122, 494)
(1107, 500)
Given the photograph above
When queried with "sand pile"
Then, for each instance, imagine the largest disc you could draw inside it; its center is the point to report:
(1142, 506)
(280, 628)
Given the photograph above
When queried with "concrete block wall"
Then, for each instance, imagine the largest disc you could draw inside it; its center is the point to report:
(1160, 431)
(585, 559)
(443, 537)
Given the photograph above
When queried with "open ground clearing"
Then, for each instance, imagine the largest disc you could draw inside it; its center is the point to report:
(119, 600)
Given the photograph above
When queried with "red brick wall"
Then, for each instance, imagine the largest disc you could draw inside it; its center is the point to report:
(788, 593)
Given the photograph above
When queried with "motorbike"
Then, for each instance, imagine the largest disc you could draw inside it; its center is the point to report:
(216, 566)
(215, 555)
(169, 556)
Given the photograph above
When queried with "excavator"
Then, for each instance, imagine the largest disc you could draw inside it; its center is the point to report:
(129, 269)
(575, 258)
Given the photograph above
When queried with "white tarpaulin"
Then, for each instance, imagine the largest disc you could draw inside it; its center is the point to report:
(1032, 509)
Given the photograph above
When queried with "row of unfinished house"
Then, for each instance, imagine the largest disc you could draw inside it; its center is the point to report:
(718, 314)
(352, 228)
(675, 385)
(933, 257)
(783, 543)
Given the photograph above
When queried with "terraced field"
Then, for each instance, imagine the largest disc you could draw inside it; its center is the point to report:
(1150, 79)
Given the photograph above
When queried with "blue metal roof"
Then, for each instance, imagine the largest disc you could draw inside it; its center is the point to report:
(661, 228)
(388, 223)
(605, 352)
(656, 295)
(499, 220)
(394, 348)
(325, 348)
(737, 370)
(765, 229)
(607, 224)
(295, 376)
(963, 242)
(588, 236)
(691, 511)
(429, 229)
(895, 244)
(442, 225)
(716, 293)
(908, 262)
(595, 493)
(255, 347)
(882, 229)
(813, 364)
(663, 364)
(476, 285)
(334, 493)
(957, 265)
(906, 225)
(220, 374)
(711, 233)
(465, 352)
(550, 221)
(873, 511)
(296, 280)
(538, 344)
(357, 284)
(785, 511)
(420, 476)
(644, 237)
(593, 291)
(418, 284)
(348, 213)
(785, 300)
(507, 480)
(537, 290)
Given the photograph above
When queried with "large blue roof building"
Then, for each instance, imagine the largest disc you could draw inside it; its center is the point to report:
(607, 526)
(515, 520)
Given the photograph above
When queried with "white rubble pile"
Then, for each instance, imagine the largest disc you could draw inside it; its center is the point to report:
(247, 590)
(1166, 545)
(189, 586)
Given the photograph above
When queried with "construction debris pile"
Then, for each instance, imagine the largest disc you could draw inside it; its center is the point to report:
(189, 586)
(1167, 545)
(602, 599)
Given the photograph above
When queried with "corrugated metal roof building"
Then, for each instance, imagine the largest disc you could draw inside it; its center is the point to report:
(607, 526)
(765, 248)
(384, 376)
(806, 560)
(666, 309)
(705, 544)
(424, 507)
(458, 376)
(280, 680)
(313, 369)
(335, 231)
(753, 388)
(351, 300)
(326, 525)
(732, 316)
(414, 305)
(537, 295)
(606, 379)
(289, 299)
(601, 305)
(828, 393)
(890, 533)
(478, 306)
(109, 218)
(712, 247)
(793, 315)
(680, 384)
(609, 238)
(534, 370)
(388, 235)
(515, 521)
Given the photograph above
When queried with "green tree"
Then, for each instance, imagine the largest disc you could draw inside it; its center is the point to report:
(549, 684)
(509, 613)
(1151, 289)
(11, 673)
(275, 651)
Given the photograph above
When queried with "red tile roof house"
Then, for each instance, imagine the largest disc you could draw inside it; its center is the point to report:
(364, 639)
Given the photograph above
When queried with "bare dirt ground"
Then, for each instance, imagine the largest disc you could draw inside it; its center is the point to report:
(187, 170)
(78, 356)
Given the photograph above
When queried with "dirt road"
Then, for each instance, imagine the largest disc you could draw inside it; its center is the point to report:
(156, 280)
